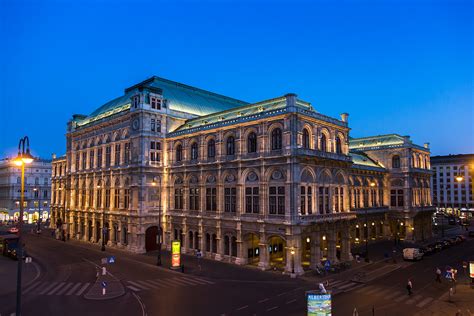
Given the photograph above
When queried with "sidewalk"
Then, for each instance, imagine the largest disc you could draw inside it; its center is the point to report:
(462, 300)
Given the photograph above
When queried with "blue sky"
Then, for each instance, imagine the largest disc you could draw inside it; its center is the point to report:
(402, 67)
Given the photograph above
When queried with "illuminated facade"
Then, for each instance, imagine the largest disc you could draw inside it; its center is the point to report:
(37, 190)
(273, 183)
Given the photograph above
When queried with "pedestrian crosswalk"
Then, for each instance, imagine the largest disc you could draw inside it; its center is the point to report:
(340, 286)
(57, 288)
(144, 285)
(395, 295)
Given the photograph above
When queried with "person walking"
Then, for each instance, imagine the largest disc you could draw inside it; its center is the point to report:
(409, 287)
(438, 275)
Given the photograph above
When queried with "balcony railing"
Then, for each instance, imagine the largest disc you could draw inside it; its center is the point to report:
(323, 154)
(332, 217)
(370, 210)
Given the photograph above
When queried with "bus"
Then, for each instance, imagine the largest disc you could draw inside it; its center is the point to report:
(9, 245)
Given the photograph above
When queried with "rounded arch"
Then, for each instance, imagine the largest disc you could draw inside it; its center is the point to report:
(275, 136)
(125, 133)
(324, 138)
(251, 140)
(340, 177)
(396, 182)
(115, 136)
(192, 179)
(275, 174)
(324, 176)
(396, 161)
(252, 172)
(229, 176)
(210, 178)
(307, 175)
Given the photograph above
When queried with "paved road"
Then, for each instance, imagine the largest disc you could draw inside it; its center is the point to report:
(69, 275)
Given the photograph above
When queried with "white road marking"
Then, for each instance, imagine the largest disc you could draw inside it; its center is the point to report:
(31, 287)
(201, 280)
(83, 288)
(391, 295)
(424, 302)
(133, 288)
(189, 282)
(73, 289)
(64, 289)
(264, 300)
(414, 299)
(241, 308)
(147, 284)
(347, 285)
(272, 308)
(401, 298)
(48, 288)
(56, 288)
(171, 282)
(138, 285)
(292, 301)
(141, 303)
(180, 281)
(157, 283)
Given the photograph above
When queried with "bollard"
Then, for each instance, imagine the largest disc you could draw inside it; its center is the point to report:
(450, 294)
(103, 291)
(104, 271)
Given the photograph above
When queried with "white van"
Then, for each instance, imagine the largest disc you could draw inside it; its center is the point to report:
(412, 254)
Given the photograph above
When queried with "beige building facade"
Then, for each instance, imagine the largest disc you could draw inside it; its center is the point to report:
(272, 184)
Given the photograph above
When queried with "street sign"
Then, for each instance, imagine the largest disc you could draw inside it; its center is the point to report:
(104, 284)
(28, 260)
(103, 261)
(327, 265)
(111, 259)
(175, 254)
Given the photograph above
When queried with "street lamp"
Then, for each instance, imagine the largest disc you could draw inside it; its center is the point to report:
(292, 260)
(372, 184)
(104, 230)
(23, 158)
(158, 256)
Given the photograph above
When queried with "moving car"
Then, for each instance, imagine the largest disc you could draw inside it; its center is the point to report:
(9, 245)
(412, 254)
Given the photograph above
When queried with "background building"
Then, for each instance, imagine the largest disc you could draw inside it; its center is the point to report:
(450, 195)
(37, 190)
(274, 183)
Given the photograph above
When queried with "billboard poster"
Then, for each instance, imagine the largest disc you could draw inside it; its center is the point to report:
(176, 254)
(319, 304)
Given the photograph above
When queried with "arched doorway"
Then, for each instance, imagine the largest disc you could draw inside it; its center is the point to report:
(150, 238)
(253, 250)
(276, 251)
(98, 234)
(106, 232)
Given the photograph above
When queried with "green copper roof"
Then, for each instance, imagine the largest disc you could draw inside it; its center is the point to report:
(179, 97)
(379, 140)
(362, 160)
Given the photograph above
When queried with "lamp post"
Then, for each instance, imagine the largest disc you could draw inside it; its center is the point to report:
(372, 184)
(158, 256)
(23, 158)
(292, 260)
(104, 230)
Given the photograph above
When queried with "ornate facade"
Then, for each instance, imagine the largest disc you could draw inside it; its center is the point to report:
(273, 183)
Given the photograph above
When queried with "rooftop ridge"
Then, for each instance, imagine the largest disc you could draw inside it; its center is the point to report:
(182, 85)
(376, 136)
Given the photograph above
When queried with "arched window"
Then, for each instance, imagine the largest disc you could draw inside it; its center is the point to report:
(324, 142)
(276, 139)
(306, 139)
(194, 151)
(211, 149)
(338, 145)
(230, 146)
(179, 152)
(396, 161)
(252, 143)
(420, 162)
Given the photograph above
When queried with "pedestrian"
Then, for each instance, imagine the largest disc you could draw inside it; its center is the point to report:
(322, 289)
(355, 312)
(438, 275)
(409, 287)
(182, 268)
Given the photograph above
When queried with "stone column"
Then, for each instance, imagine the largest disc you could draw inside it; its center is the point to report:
(331, 238)
(112, 240)
(220, 245)
(264, 262)
(120, 234)
(241, 255)
(293, 261)
(315, 249)
(409, 225)
(346, 246)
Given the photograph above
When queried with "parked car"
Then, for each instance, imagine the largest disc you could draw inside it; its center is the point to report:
(13, 230)
(427, 250)
(439, 246)
(412, 254)
(454, 240)
(433, 247)
(448, 242)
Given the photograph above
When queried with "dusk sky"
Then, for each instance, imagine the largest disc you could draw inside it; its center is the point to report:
(401, 67)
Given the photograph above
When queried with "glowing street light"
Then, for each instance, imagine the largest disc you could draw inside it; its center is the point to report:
(24, 157)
